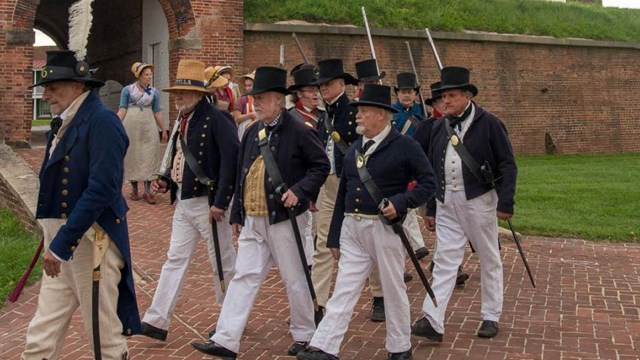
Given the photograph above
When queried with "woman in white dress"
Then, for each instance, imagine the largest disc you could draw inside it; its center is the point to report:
(141, 116)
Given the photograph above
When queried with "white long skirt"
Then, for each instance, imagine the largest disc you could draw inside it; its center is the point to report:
(143, 155)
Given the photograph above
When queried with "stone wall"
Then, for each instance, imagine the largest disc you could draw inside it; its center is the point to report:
(582, 93)
(18, 188)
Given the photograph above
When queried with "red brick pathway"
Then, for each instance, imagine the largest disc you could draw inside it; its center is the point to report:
(586, 305)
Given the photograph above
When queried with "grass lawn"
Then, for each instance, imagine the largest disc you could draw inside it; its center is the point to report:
(41, 122)
(527, 17)
(585, 196)
(17, 247)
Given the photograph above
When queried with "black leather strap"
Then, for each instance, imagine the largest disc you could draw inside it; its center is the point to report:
(335, 136)
(193, 164)
(269, 161)
(462, 151)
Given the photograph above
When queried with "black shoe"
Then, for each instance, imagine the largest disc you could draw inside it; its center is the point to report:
(423, 328)
(422, 252)
(315, 355)
(153, 332)
(462, 277)
(377, 310)
(406, 355)
(212, 332)
(318, 315)
(407, 277)
(296, 347)
(214, 349)
(488, 329)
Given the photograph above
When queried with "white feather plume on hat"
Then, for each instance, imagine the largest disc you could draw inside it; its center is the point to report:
(80, 20)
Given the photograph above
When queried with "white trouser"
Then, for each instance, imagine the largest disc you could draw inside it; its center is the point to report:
(190, 223)
(412, 230)
(309, 236)
(365, 243)
(61, 296)
(322, 269)
(459, 220)
(260, 246)
(412, 227)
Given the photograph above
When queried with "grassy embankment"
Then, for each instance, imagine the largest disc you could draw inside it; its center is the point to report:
(527, 17)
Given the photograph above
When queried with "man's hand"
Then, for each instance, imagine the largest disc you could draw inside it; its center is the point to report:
(312, 207)
(50, 264)
(336, 253)
(289, 199)
(430, 223)
(389, 212)
(215, 214)
(236, 229)
(503, 216)
(165, 136)
(159, 185)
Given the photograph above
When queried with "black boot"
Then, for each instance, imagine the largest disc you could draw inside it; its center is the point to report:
(377, 309)
(318, 315)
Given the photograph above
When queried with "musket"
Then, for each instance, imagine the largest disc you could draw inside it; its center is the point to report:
(304, 57)
(211, 189)
(433, 49)
(397, 228)
(373, 50)
(164, 165)
(524, 259)
(488, 175)
(13, 297)
(282, 56)
(415, 72)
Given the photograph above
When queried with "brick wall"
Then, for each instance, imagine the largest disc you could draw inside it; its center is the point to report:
(584, 94)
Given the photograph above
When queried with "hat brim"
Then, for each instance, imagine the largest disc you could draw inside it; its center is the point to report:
(371, 103)
(348, 79)
(469, 86)
(151, 66)
(220, 81)
(278, 89)
(92, 83)
(396, 89)
(187, 88)
(431, 100)
(297, 87)
(373, 78)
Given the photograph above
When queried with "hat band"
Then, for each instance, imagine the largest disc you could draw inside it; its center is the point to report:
(59, 72)
(190, 82)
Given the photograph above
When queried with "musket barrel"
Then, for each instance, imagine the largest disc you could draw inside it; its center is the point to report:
(433, 49)
(373, 50)
(164, 164)
(415, 72)
(304, 56)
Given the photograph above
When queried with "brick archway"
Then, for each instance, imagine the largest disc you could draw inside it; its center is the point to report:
(17, 56)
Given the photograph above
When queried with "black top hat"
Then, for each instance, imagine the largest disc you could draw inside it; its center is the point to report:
(456, 77)
(303, 66)
(302, 78)
(269, 78)
(435, 94)
(367, 70)
(332, 69)
(62, 65)
(376, 95)
(407, 80)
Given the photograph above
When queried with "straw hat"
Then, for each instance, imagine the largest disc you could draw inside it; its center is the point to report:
(190, 77)
(251, 75)
(137, 68)
(213, 79)
(223, 69)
